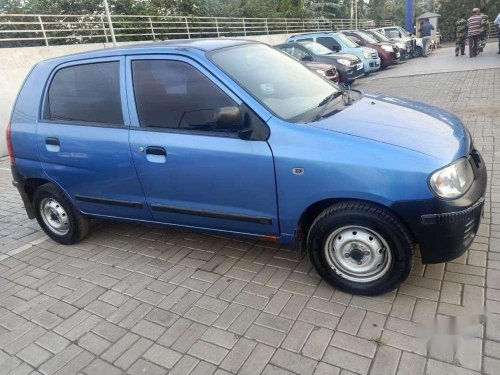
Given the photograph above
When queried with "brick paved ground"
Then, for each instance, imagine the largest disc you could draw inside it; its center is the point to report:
(145, 300)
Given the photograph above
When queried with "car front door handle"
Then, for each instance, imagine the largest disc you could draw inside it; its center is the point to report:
(155, 150)
(156, 154)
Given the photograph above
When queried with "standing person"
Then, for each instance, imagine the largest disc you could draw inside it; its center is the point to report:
(425, 33)
(473, 31)
(461, 33)
(483, 29)
(497, 22)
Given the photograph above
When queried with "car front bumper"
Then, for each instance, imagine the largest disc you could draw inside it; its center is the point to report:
(349, 73)
(444, 229)
(372, 65)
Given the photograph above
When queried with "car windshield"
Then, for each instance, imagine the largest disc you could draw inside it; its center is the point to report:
(367, 37)
(403, 31)
(348, 42)
(316, 48)
(282, 84)
(379, 36)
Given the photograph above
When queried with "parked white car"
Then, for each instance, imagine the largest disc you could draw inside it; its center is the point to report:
(400, 35)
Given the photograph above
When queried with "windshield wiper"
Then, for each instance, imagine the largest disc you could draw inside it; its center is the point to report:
(346, 94)
(346, 90)
(324, 103)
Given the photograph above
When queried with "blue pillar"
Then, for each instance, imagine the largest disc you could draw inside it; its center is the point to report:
(409, 16)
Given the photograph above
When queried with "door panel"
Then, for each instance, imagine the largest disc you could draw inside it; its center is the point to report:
(214, 182)
(90, 161)
(202, 179)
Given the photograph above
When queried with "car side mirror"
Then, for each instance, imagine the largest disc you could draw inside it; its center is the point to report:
(229, 119)
(307, 58)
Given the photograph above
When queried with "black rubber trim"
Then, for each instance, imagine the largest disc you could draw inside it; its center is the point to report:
(112, 202)
(217, 215)
(453, 217)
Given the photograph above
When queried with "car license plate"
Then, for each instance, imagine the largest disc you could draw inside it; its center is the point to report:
(359, 66)
(398, 54)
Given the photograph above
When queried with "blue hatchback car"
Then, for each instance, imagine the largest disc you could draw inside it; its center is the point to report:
(235, 137)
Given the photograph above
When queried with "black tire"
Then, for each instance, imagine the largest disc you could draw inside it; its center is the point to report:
(77, 225)
(417, 52)
(373, 218)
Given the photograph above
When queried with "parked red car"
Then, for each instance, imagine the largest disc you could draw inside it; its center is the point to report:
(389, 54)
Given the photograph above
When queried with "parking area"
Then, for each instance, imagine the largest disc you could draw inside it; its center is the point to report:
(147, 300)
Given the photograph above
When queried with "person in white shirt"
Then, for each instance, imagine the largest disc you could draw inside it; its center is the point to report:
(497, 22)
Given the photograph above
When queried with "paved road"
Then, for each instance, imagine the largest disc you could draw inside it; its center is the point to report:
(444, 60)
(144, 300)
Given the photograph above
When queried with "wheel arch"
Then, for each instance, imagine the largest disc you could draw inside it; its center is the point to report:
(31, 184)
(315, 209)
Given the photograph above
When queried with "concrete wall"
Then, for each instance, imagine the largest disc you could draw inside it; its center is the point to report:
(15, 63)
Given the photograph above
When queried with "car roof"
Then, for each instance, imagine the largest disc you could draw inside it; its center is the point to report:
(205, 45)
(312, 33)
(290, 44)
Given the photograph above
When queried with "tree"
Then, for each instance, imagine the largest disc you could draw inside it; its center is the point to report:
(451, 10)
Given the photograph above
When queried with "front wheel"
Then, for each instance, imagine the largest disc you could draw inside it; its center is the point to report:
(360, 248)
(418, 52)
(57, 216)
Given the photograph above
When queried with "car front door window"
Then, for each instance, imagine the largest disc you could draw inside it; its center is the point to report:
(175, 95)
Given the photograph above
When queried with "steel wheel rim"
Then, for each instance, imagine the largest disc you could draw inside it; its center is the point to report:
(358, 254)
(54, 216)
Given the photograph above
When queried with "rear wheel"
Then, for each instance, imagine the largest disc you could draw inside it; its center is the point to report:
(417, 52)
(360, 248)
(57, 216)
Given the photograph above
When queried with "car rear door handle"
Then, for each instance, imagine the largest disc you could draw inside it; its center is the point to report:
(156, 154)
(52, 144)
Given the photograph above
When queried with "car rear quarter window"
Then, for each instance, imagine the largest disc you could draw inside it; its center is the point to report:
(87, 93)
(174, 94)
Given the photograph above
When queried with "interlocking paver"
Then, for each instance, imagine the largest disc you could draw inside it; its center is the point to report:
(141, 299)
(238, 355)
(34, 355)
(317, 343)
(162, 356)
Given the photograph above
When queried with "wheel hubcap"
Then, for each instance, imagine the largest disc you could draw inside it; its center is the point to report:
(358, 254)
(54, 216)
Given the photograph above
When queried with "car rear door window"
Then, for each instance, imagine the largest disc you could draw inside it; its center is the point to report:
(174, 94)
(329, 43)
(88, 93)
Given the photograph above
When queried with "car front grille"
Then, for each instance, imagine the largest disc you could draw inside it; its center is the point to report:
(470, 229)
(374, 55)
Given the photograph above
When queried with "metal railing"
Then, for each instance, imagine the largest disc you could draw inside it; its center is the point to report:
(17, 30)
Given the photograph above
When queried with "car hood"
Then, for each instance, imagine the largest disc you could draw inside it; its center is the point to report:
(318, 65)
(385, 44)
(347, 56)
(403, 123)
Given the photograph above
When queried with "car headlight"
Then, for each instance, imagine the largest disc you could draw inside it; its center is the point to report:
(452, 181)
(321, 72)
(344, 62)
(387, 48)
(367, 54)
